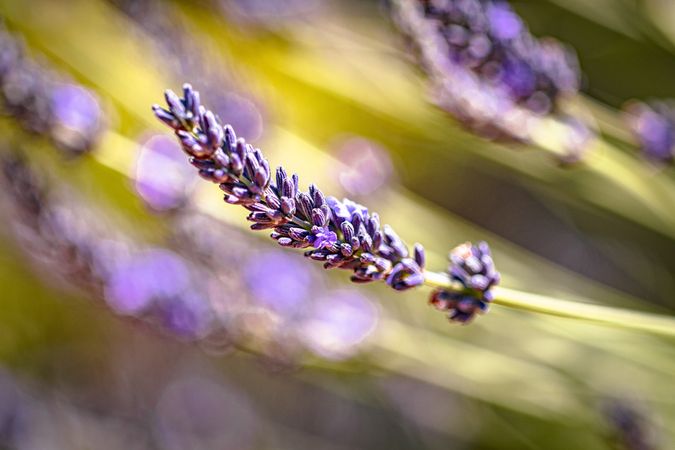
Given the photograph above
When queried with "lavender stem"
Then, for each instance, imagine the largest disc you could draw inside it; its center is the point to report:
(343, 234)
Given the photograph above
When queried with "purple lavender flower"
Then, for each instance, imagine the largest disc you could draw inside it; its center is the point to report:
(43, 103)
(146, 276)
(340, 234)
(77, 117)
(486, 69)
(68, 243)
(338, 323)
(654, 128)
(472, 267)
(278, 282)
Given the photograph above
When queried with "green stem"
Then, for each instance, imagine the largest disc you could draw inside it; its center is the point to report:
(606, 315)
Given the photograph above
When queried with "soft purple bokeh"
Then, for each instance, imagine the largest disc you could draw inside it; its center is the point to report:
(504, 23)
(145, 277)
(279, 281)
(238, 111)
(187, 315)
(162, 179)
(76, 108)
(77, 116)
(337, 323)
(366, 166)
(655, 130)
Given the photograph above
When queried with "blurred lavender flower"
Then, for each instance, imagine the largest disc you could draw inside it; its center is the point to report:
(145, 276)
(44, 102)
(338, 323)
(73, 247)
(487, 70)
(366, 166)
(654, 128)
(472, 267)
(340, 234)
(161, 177)
(279, 282)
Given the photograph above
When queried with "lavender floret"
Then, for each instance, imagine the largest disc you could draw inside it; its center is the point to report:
(654, 128)
(341, 234)
(472, 267)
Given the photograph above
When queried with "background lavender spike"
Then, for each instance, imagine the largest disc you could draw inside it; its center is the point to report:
(47, 103)
(489, 72)
(371, 253)
(653, 127)
(67, 242)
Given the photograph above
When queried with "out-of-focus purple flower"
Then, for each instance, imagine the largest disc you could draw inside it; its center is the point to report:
(146, 277)
(279, 282)
(338, 323)
(239, 111)
(504, 22)
(472, 267)
(366, 166)
(198, 413)
(186, 315)
(77, 116)
(487, 70)
(44, 103)
(654, 128)
(162, 179)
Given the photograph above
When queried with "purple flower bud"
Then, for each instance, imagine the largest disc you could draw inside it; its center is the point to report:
(324, 238)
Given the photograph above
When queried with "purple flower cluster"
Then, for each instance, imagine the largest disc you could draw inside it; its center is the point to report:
(69, 244)
(489, 72)
(46, 103)
(341, 234)
(472, 267)
(490, 39)
(654, 128)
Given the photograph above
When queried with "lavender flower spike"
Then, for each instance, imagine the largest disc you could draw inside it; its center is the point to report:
(341, 234)
(472, 267)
